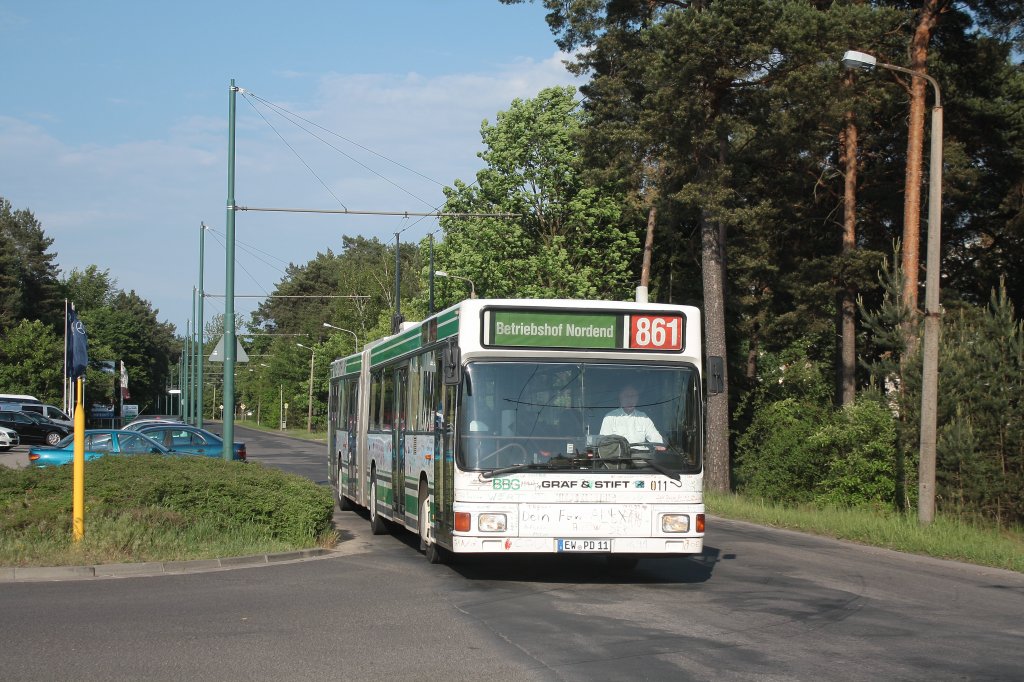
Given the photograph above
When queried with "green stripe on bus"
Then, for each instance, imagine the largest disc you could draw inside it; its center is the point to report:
(353, 364)
(400, 345)
(447, 324)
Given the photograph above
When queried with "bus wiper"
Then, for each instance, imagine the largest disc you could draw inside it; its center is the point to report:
(646, 460)
(512, 469)
(556, 462)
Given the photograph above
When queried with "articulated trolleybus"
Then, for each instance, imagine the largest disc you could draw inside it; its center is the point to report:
(541, 426)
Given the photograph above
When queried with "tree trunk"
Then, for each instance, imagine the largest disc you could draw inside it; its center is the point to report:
(716, 468)
(847, 388)
(927, 21)
(645, 270)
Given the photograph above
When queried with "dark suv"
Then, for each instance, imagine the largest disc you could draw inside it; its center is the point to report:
(32, 428)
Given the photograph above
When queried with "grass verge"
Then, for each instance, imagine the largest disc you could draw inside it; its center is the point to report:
(148, 508)
(946, 538)
(318, 436)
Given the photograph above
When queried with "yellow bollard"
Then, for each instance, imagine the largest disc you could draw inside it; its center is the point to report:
(78, 501)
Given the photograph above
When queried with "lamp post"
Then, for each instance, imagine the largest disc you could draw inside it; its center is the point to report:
(340, 329)
(930, 372)
(472, 289)
(174, 392)
(280, 412)
(309, 415)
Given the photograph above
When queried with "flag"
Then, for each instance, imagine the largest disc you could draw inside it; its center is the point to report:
(124, 383)
(77, 346)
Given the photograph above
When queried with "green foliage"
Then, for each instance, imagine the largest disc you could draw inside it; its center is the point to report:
(90, 288)
(775, 459)
(28, 274)
(223, 497)
(566, 242)
(980, 449)
(883, 339)
(800, 452)
(126, 329)
(31, 361)
(860, 444)
(972, 540)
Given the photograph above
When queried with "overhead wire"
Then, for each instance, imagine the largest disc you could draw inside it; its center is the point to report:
(243, 268)
(297, 155)
(342, 137)
(342, 152)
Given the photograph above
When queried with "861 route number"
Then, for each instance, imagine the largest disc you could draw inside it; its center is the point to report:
(656, 332)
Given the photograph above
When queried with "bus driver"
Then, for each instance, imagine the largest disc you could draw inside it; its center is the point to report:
(630, 423)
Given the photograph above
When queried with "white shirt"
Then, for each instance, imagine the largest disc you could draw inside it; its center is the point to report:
(636, 427)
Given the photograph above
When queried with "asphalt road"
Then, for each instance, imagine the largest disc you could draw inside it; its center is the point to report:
(760, 604)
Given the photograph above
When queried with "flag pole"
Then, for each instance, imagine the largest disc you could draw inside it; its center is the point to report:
(67, 398)
(78, 354)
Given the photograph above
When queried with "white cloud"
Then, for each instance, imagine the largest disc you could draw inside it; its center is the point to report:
(135, 207)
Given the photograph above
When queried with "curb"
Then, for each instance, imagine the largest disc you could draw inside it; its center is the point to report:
(153, 568)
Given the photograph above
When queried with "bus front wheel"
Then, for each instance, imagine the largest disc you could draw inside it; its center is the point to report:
(434, 554)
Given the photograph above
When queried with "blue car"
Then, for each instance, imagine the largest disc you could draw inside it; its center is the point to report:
(98, 442)
(191, 440)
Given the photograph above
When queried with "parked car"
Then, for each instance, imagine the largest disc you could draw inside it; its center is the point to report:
(33, 428)
(8, 438)
(98, 442)
(18, 398)
(142, 423)
(51, 412)
(191, 440)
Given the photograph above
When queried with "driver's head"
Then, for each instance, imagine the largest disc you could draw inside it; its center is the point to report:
(628, 397)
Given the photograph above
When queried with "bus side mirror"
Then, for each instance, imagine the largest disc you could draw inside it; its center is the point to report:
(451, 364)
(716, 375)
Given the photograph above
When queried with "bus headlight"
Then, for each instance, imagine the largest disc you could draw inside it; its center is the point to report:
(675, 523)
(492, 523)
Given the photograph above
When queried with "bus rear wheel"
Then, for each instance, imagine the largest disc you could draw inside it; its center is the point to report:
(377, 525)
(344, 504)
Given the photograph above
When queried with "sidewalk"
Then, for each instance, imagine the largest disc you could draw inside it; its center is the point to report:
(15, 458)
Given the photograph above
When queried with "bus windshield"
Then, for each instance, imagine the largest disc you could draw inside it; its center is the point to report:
(537, 416)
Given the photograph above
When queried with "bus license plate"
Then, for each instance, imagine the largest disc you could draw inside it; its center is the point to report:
(584, 545)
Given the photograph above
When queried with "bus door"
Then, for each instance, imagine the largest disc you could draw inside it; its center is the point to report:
(398, 442)
(351, 432)
(444, 465)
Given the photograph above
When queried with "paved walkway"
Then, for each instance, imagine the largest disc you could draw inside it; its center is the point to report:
(15, 458)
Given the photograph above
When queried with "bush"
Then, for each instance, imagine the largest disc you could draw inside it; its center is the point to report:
(775, 459)
(220, 495)
(796, 452)
(859, 444)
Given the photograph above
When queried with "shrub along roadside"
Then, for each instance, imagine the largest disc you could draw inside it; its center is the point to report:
(159, 509)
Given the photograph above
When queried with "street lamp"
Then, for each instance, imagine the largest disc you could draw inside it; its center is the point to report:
(309, 416)
(472, 289)
(930, 373)
(340, 329)
(175, 392)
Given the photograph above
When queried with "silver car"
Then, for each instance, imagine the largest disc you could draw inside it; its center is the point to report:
(8, 439)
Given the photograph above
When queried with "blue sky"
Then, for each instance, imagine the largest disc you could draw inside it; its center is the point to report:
(113, 125)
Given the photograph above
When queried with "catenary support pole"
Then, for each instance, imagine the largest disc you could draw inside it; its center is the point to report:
(228, 431)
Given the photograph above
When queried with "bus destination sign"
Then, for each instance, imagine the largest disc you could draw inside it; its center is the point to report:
(586, 330)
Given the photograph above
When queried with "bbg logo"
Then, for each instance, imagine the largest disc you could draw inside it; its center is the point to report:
(505, 484)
